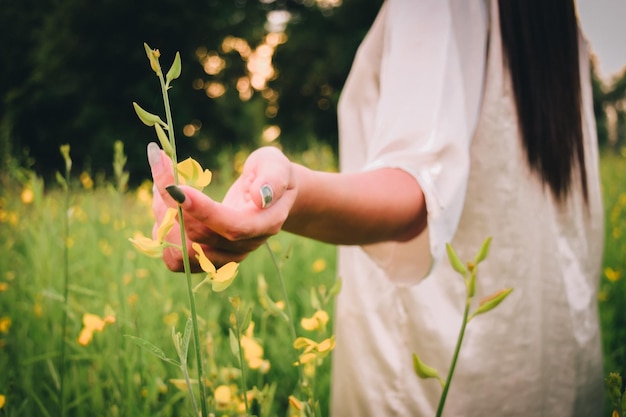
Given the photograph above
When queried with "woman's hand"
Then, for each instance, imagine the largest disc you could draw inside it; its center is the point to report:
(254, 208)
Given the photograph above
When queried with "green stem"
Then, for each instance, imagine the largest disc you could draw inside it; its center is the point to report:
(183, 367)
(186, 263)
(444, 394)
(242, 362)
(292, 327)
(66, 263)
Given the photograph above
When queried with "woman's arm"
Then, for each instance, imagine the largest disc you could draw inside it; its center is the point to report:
(349, 209)
(358, 208)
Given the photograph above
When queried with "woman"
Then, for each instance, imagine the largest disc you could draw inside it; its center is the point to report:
(459, 120)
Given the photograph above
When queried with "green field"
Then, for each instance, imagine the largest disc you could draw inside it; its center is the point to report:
(111, 375)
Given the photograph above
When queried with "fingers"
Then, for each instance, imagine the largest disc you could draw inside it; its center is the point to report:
(270, 173)
(162, 172)
(218, 218)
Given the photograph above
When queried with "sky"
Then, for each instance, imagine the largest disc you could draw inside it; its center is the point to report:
(604, 24)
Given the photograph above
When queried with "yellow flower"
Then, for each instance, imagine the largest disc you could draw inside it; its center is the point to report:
(171, 319)
(3, 400)
(317, 322)
(132, 299)
(295, 403)
(319, 265)
(5, 324)
(86, 181)
(4, 286)
(253, 351)
(313, 350)
(144, 193)
(223, 397)
(612, 275)
(181, 384)
(92, 323)
(190, 173)
(27, 195)
(154, 247)
(221, 278)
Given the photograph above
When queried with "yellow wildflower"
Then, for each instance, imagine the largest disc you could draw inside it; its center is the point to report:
(190, 173)
(317, 322)
(319, 265)
(142, 273)
(313, 350)
(144, 193)
(132, 299)
(171, 319)
(221, 278)
(295, 403)
(4, 286)
(3, 400)
(223, 397)
(27, 195)
(92, 323)
(86, 181)
(181, 384)
(612, 274)
(154, 247)
(5, 324)
(253, 351)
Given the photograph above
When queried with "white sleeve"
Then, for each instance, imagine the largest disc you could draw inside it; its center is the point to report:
(431, 78)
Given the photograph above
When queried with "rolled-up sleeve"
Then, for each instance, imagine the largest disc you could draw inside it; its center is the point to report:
(430, 81)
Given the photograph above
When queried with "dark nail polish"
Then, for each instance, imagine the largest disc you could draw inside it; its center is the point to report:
(176, 193)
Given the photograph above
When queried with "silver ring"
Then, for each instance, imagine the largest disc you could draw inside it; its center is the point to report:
(267, 195)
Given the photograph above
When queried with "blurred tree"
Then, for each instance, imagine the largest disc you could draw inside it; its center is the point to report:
(73, 68)
(613, 101)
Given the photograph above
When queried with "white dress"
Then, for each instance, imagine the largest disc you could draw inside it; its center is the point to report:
(422, 97)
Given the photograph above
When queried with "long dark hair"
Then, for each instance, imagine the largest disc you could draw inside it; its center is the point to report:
(540, 48)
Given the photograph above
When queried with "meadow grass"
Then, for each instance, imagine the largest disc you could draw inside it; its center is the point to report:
(113, 376)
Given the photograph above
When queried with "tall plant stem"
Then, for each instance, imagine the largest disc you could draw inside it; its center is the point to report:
(446, 387)
(185, 250)
(243, 363)
(66, 264)
(292, 327)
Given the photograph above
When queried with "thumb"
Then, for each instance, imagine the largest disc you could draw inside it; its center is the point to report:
(271, 175)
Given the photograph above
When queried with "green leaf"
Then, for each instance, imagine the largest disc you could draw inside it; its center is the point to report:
(146, 117)
(483, 252)
(491, 302)
(234, 344)
(455, 261)
(61, 180)
(186, 337)
(175, 69)
(315, 301)
(335, 289)
(424, 371)
(151, 348)
(246, 320)
(165, 142)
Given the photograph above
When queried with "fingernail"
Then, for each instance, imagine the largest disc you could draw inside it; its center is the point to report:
(154, 155)
(176, 193)
(267, 195)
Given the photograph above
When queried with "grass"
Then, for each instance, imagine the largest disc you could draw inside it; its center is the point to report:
(115, 376)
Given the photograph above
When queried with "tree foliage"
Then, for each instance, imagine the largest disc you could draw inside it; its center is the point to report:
(76, 67)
